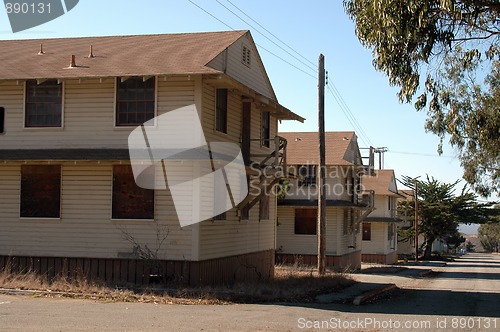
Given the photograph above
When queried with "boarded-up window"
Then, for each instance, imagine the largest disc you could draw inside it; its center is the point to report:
(264, 207)
(43, 104)
(305, 221)
(265, 128)
(221, 110)
(367, 231)
(135, 101)
(40, 191)
(129, 200)
(2, 120)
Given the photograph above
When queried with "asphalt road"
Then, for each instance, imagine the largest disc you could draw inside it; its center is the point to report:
(463, 296)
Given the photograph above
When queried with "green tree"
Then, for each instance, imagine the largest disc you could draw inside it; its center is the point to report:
(489, 235)
(444, 55)
(440, 211)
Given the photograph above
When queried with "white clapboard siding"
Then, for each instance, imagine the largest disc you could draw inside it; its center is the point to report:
(89, 108)
(378, 242)
(381, 207)
(232, 237)
(253, 76)
(288, 242)
(85, 228)
(234, 117)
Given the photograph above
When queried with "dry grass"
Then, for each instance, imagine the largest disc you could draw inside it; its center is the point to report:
(291, 284)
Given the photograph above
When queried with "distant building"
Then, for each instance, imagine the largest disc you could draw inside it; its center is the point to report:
(379, 228)
(347, 205)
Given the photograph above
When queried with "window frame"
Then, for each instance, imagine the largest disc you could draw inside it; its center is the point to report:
(367, 231)
(60, 184)
(3, 118)
(25, 106)
(226, 111)
(308, 226)
(120, 218)
(265, 141)
(116, 101)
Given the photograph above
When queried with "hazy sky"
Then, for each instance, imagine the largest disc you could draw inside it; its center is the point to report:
(307, 29)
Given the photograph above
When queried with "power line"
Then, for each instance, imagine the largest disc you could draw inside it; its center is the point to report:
(421, 154)
(335, 92)
(360, 128)
(350, 116)
(257, 30)
(260, 46)
(276, 37)
(207, 12)
(285, 61)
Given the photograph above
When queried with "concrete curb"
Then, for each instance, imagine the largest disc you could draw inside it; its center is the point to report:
(374, 293)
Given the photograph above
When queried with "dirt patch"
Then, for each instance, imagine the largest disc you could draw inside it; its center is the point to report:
(291, 284)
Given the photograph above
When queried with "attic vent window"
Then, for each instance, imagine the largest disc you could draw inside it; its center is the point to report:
(246, 56)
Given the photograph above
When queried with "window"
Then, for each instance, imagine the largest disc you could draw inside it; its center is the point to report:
(346, 223)
(265, 133)
(246, 56)
(390, 231)
(307, 175)
(43, 104)
(129, 200)
(305, 221)
(367, 231)
(40, 191)
(135, 101)
(221, 110)
(2, 120)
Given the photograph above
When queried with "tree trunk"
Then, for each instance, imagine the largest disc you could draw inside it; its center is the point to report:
(428, 248)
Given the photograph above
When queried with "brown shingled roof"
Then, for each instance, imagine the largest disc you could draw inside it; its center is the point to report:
(303, 147)
(380, 182)
(165, 54)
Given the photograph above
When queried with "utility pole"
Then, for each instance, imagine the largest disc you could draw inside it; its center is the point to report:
(416, 220)
(380, 152)
(321, 227)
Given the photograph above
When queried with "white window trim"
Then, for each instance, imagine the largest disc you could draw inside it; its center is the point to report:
(132, 127)
(63, 102)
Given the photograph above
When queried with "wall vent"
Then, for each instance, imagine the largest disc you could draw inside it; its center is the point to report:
(246, 56)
